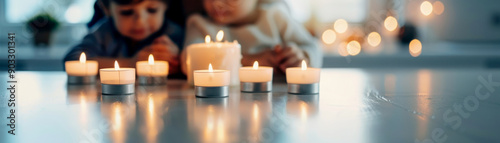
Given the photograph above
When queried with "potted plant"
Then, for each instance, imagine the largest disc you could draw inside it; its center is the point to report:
(42, 26)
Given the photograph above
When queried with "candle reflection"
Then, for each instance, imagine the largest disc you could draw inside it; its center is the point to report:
(82, 95)
(303, 106)
(83, 109)
(152, 104)
(212, 119)
(424, 84)
(78, 94)
(255, 109)
(302, 109)
(120, 113)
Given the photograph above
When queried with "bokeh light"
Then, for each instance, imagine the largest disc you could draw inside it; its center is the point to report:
(353, 48)
(374, 39)
(415, 47)
(329, 36)
(73, 14)
(342, 49)
(438, 7)
(341, 26)
(391, 23)
(426, 8)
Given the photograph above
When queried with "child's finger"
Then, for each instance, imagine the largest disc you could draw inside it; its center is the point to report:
(174, 60)
(161, 40)
(284, 55)
(291, 62)
(277, 48)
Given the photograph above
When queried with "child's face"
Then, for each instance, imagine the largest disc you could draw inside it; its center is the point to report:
(138, 21)
(229, 11)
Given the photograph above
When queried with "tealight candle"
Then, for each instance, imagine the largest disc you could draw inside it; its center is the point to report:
(211, 83)
(81, 72)
(222, 55)
(303, 80)
(256, 79)
(116, 81)
(152, 72)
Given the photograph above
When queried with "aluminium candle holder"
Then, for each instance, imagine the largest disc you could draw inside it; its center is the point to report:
(149, 80)
(127, 99)
(303, 89)
(117, 89)
(256, 87)
(211, 92)
(81, 80)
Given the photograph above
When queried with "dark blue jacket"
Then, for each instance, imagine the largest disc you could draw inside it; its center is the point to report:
(105, 41)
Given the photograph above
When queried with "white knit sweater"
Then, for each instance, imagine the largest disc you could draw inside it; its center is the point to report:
(273, 26)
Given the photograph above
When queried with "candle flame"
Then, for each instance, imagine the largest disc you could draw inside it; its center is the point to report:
(304, 65)
(151, 59)
(255, 65)
(220, 35)
(117, 67)
(210, 69)
(207, 39)
(83, 58)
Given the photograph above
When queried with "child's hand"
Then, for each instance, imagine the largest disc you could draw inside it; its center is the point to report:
(163, 49)
(265, 58)
(289, 56)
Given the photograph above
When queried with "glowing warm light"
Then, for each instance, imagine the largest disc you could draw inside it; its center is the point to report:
(117, 67)
(117, 116)
(207, 39)
(304, 65)
(391, 23)
(151, 59)
(83, 58)
(303, 110)
(342, 50)
(329, 36)
(341, 26)
(220, 35)
(353, 48)
(415, 47)
(150, 105)
(73, 14)
(210, 69)
(221, 136)
(255, 111)
(255, 65)
(374, 39)
(426, 8)
(438, 7)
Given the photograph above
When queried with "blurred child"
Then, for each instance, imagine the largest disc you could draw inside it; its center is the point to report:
(133, 30)
(266, 32)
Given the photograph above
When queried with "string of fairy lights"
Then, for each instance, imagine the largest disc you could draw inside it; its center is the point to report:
(354, 45)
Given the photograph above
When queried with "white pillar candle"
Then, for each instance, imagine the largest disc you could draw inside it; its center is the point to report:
(256, 73)
(152, 68)
(302, 75)
(117, 75)
(222, 55)
(83, 67)
(211, 77)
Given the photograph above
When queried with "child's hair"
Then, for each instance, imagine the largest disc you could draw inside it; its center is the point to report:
(125, 2)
